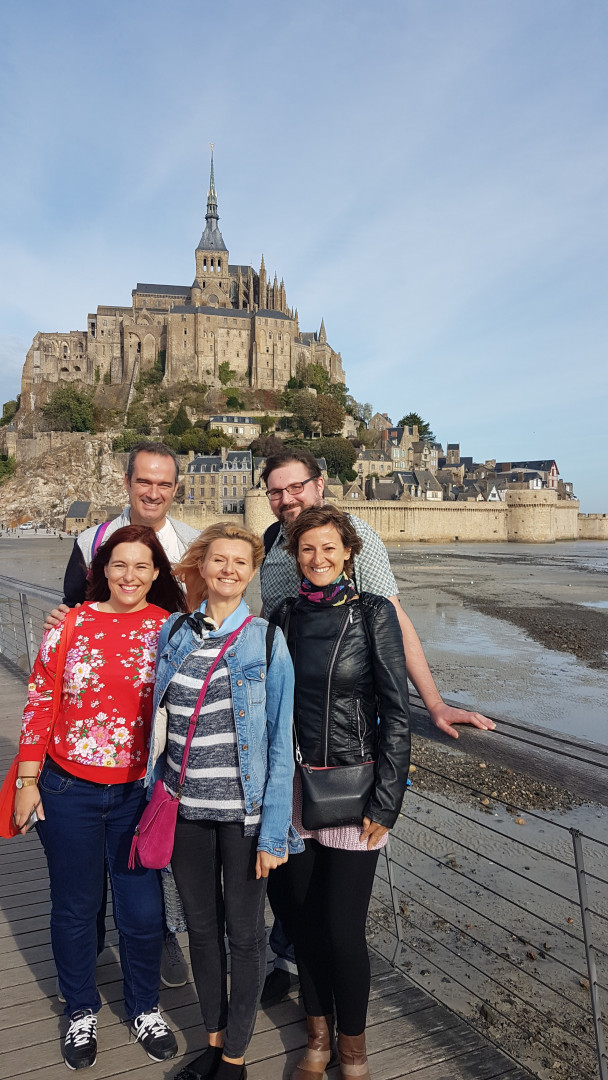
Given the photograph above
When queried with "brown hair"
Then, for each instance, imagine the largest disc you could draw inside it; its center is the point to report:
(187, 569)
(164, 591)
(283, 457)
(315, 517)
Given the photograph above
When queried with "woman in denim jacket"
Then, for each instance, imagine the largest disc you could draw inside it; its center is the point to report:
(234, 821)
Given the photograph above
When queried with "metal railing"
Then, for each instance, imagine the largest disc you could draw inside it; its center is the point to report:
(501, 912)
(507, 926)
(23, 609)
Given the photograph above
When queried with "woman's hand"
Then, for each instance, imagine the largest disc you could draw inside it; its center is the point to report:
(27, 799)
(372, 832)
(266, 862)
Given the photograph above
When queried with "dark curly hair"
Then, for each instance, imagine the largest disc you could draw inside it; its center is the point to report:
(315, 517)
(165, 592)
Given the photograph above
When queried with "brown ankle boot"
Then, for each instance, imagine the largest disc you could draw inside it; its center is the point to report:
(318, 1052)
(353, 1058)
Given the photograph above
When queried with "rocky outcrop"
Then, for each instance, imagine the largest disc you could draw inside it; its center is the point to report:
(54, 469)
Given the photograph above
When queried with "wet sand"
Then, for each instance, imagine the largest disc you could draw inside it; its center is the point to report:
(519, 631)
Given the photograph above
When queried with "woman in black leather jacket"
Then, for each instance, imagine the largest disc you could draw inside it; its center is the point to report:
(351, 708)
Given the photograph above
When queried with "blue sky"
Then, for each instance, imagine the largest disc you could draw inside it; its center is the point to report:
(430, 176)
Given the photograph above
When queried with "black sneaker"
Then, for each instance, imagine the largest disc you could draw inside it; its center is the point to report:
(152, 1032)
(80, 1047)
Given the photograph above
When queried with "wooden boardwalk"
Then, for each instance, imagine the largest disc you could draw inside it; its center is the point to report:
(409, 1033)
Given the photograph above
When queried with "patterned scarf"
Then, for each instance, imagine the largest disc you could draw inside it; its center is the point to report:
(341, 591)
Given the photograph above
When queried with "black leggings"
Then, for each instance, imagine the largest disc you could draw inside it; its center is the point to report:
(322, 897)
(214, 868)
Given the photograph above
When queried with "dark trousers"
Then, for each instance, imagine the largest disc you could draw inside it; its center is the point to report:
(87, 826)
(206, 852)
(322, 897)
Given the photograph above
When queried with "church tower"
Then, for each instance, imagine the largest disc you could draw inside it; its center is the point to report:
(211, 287)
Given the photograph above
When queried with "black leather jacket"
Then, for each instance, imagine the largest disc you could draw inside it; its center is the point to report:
(350, 670)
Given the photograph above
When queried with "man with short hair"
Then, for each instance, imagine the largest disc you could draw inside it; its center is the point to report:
(151, 482)
(294, 481)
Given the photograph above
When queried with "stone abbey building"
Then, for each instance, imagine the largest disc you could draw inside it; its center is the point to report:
(231, 313)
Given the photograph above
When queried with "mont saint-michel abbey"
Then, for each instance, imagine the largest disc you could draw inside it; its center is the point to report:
(230, 313)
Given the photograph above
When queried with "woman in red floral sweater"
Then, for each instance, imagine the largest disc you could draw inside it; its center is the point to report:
(88, 794)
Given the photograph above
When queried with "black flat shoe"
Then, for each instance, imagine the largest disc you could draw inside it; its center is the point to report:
(204, 1067)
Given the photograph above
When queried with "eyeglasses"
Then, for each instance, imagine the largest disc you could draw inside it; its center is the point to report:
(291, 489)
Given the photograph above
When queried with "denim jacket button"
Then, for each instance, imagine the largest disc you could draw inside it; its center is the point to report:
(241, 712)
(261, 675)
(231, 653)
(247, 776)
(239, 682)
(245, 746)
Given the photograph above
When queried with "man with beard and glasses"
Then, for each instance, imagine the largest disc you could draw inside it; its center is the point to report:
(294, 481)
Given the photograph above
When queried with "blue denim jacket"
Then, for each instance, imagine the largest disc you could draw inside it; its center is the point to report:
(262, 703)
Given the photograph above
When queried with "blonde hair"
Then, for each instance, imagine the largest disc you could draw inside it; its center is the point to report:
(187, 569)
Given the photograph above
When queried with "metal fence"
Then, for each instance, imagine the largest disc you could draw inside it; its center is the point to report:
(23, 609)
(501, 912)
(498, 911)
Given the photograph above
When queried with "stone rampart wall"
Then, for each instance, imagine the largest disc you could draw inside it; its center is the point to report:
(46, 441)
(593, 526)
(434, 523)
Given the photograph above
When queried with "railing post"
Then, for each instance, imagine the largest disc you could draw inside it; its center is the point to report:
(581, 881)
(27, 629)
(396, 912)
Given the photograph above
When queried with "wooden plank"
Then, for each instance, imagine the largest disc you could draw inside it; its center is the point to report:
(478, 1064)
(576, 765)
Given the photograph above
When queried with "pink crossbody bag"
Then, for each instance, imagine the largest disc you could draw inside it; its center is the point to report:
(152, 844)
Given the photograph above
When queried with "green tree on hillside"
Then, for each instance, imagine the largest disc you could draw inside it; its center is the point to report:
(9, 409)
(339, 454)
(330, 414)
(181, 421)
(7, 467)
(225, 373)
(316, 376)
(69, 409)
(424, 428)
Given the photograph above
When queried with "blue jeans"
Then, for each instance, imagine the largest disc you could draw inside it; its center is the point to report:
(86, 826)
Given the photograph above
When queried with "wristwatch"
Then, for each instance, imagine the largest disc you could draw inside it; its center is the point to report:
(25, 781)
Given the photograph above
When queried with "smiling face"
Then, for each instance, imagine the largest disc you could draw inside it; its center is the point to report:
(286, 507)
(151, 489)
(321, 554)
(227, 569)
(130, 573)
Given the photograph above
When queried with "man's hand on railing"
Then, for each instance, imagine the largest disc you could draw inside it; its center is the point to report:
(445, 716)
(56, 616)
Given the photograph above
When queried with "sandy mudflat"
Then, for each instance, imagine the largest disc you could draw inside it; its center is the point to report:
(519, 631)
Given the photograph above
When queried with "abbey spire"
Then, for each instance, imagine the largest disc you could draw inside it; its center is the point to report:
(211, 240)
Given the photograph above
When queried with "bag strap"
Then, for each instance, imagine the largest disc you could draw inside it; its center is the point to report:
(270, 632)
(201, 697)
(270, 536)
(98, 538)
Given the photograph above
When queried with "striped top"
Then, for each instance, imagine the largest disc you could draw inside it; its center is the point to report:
(212, 789)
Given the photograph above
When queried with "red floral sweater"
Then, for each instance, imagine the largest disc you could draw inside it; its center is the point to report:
(103, 726)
